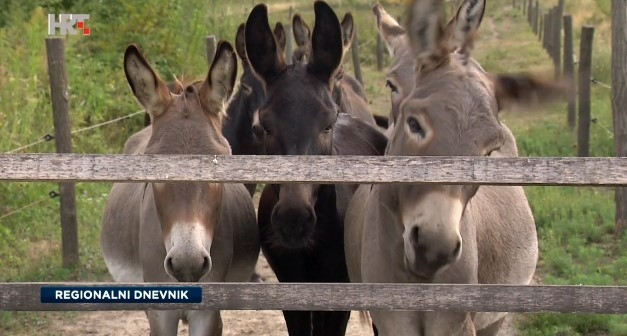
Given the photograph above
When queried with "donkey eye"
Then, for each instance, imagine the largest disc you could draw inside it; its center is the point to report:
(414, 127)
(328, 129)
(392, 87)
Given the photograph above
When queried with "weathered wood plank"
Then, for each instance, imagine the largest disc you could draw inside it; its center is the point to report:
(599, 171)
(328, 296)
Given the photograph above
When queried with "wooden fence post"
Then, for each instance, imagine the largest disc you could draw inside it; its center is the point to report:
(529, 11)
(551, 35)
(541, 18)
(557, 38)
(211, 48)
(544, 29)
(585, 65)
(380, 52)
(569, 69)
(534, 18)
(619, 101)
(55, 51)
(356, 64)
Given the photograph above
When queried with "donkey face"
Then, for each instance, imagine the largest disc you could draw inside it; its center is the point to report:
(187, 122)
(452, 111)
(298, 115)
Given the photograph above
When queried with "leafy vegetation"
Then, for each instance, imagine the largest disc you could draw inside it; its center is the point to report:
(575, 225)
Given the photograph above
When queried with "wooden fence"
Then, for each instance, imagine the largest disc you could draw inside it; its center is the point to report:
(607, 171)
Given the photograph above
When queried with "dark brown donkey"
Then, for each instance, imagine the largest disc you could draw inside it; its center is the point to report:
(301, 225)
(241, 112)
(181, 231)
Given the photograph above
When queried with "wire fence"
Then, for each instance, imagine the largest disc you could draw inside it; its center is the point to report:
(49, 137)
(51, 194)
(599, 83)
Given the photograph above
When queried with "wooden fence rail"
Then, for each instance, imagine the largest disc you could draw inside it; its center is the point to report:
(347, 296)
(599, 171)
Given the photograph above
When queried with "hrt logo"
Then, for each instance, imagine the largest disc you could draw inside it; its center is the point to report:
(66, 24)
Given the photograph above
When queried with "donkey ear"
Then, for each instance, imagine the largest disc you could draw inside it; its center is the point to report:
(524, 89)
(151, 92)
(426, 32)
(327, 48)
(391, 31)
(348, 30)
(302, 37)
(266, 60)
(240, 43)
(302, 33)
(463, 28)
(217, 88)
(279, 35)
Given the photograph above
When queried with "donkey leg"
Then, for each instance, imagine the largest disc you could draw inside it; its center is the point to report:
(251, 188)
(447, 323)
(331, 323)
(204, 322)
(163, 322)
(492, 329)
(298, 322)
(469, 327)
(396, 323)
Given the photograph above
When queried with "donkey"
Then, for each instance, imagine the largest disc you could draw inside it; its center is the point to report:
(301, 225)
(348, 93)
(447, 233)
(238, 126)
(181, 231)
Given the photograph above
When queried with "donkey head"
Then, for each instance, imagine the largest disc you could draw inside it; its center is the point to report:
(186, 122)
(298, 115)
(452, 111)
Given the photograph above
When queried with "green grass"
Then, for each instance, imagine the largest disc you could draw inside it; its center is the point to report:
(575, 224)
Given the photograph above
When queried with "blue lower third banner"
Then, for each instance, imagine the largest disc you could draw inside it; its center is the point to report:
(116, 294)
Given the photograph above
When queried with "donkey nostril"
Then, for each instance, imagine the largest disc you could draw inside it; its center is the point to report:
(189, 89)
(458, 248)
(206, 266)
(168, 265)
(413, 235)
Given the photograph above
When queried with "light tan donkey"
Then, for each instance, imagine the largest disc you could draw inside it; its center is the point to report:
(181, 231)
(416, 233)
